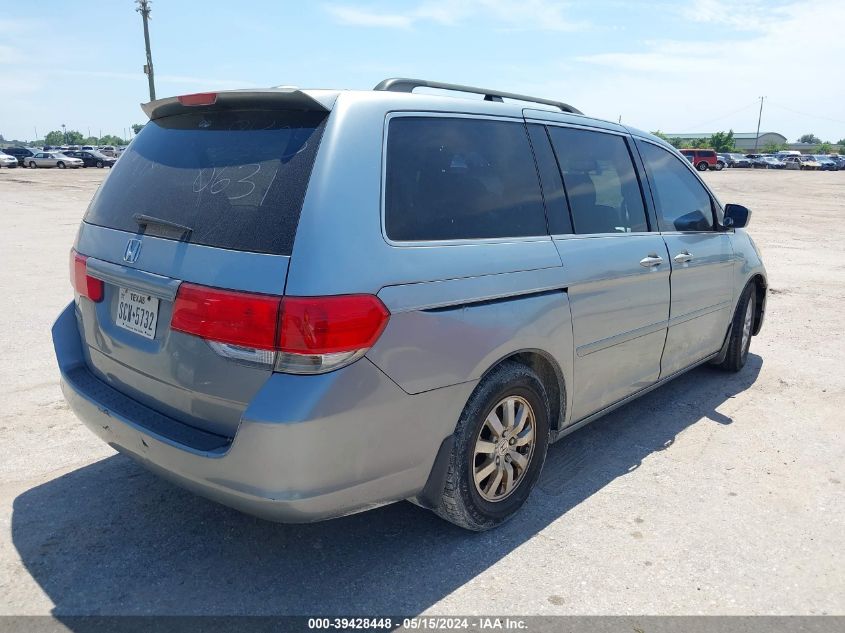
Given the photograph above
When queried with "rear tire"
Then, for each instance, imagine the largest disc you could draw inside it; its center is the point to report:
(99, 164)
(702, 166)
(741, 331)
(492, 472)
(32, 164)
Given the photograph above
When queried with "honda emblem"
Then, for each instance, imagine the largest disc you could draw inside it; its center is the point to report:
(133, 249)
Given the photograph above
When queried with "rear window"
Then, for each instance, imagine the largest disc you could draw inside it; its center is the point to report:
(460, 178)
(232, 179)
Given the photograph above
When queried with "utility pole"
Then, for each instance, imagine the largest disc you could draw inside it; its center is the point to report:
(759, 118)
(64, 134)
(144, 9)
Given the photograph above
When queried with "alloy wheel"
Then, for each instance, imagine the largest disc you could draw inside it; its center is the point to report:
(746, 325)
(504, 448)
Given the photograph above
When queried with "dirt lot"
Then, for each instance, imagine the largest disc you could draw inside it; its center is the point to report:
(715, 494)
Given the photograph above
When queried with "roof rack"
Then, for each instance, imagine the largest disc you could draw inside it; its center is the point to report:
(401, 84)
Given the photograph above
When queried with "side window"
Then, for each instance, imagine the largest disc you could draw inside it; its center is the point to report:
(460, 178)
(683, 203)
(601, 183)
(557, 210)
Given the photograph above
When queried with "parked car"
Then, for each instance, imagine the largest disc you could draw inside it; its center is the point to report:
(87, 147)
(7, 161)
(703, 159)
(418, 297)
(825, 163)
(20, 153)
(740, 161)
(755, 160)
(762, 161)
(724, 160)
(108, 150)
(838, 159)
(53, 159)
(93, 158)
(800, 162)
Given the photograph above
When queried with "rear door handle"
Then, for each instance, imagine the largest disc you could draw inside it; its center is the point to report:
(682, 257)
(651, 261)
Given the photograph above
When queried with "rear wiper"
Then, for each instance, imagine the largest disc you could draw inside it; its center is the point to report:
(146, 220)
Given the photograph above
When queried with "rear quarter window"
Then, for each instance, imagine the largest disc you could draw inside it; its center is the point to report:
(460, 178)
(235, 178)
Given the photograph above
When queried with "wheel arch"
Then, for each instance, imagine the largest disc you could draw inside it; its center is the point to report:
(551, 375)
(760, 290)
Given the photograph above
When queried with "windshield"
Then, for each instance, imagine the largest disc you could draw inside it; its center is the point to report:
(233, 179)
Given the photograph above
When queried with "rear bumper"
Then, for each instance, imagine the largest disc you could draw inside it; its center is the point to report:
(307, 447)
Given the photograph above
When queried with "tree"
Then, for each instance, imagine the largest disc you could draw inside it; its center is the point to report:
(773, 148)
(674, 141)
(809, 138)
(841, 142)
(110, 139)
(723, 141)
(74, 137)
(56, 137)
(824, 148)
(137, 127)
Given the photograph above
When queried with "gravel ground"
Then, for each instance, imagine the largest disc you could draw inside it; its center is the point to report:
(716, 494)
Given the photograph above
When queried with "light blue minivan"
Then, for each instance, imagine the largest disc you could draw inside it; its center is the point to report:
(308, 303)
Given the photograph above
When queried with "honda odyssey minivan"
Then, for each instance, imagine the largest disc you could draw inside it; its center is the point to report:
(308, 303)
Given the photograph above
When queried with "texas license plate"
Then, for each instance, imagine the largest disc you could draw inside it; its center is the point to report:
(137, 312)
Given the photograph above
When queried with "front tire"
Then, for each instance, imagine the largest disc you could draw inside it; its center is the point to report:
(32, 164)
(741, 331)
(719, 166)
(499, 449)
(99, 164)
(60, 165)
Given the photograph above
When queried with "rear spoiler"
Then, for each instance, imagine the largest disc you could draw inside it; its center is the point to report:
(280, 98)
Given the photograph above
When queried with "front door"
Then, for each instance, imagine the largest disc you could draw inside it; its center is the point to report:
(701, 258)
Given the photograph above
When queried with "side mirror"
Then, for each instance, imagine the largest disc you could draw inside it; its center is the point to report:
(736, 216)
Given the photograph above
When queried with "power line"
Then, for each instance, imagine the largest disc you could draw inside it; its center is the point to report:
(807, 114)
(724, 116)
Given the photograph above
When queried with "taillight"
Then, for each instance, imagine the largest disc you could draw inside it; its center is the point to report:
(226, 316)
(311, 334)
(198, 99)
(318, 334)
(84, 284)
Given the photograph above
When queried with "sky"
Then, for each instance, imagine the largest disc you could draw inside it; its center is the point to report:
(674, 66)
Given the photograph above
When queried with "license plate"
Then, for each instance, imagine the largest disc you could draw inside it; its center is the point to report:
(137, 312)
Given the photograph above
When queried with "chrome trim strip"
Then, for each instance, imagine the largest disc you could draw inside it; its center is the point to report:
(689, 316)
(149, 283)
(466, 290)
(618, 339)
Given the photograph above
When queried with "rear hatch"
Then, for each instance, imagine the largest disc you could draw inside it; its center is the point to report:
(202, 209)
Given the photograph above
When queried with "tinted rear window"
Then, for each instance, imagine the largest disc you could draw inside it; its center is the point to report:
(235, 178)
(460, 178)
